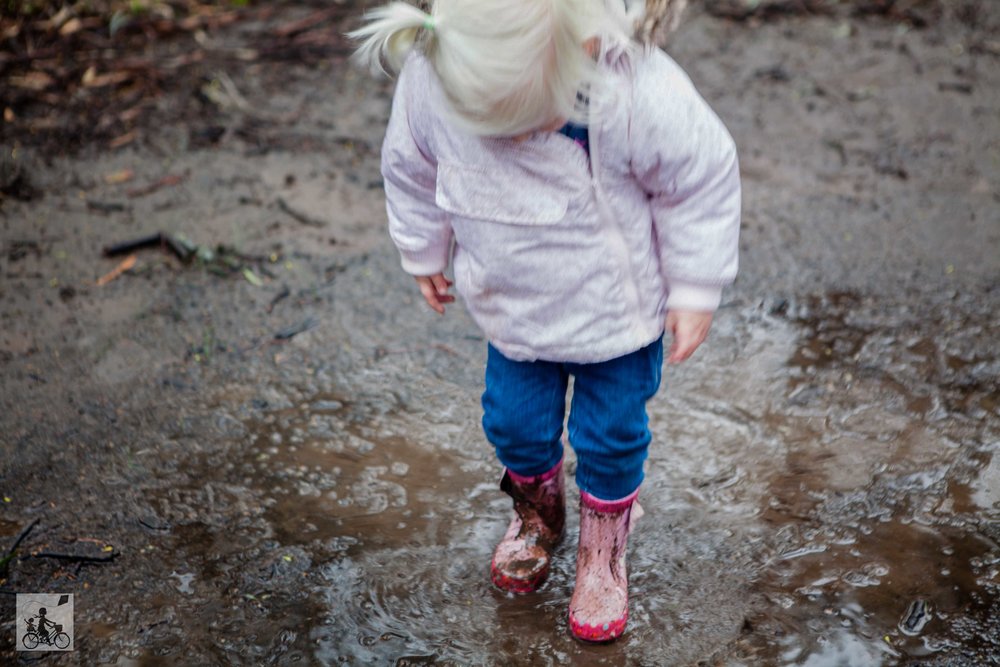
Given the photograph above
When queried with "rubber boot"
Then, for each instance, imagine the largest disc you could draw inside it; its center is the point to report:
(521, 560)
(598, 610)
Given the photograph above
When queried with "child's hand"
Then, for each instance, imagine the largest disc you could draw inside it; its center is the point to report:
(689, 328)
(435, 291)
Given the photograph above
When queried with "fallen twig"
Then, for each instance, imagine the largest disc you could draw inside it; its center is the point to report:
(123, 139)
(301, 217)
(134, 244)
(294, 27)
(283, 294)
(292, 331)
(17, 542)
(75, 557)
(169, 180)
(105, 206)
(183, 250)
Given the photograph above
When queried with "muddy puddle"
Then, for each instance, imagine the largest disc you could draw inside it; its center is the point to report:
(822, 491)
(886, 524)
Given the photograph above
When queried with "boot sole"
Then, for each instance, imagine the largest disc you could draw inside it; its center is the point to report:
(598, 634)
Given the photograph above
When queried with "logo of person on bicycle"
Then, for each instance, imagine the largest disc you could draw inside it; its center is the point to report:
(44, 622)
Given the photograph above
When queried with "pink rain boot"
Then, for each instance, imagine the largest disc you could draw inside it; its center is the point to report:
(521, 560)
(598, 610)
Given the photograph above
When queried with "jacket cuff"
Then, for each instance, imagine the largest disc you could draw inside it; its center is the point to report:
(689, 296)
(425, 262)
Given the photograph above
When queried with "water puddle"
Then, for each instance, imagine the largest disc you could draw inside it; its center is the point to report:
(822, 491)
(886, 543)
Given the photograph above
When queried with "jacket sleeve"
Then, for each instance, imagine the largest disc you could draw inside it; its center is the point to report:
(685, 159)
(419, 229)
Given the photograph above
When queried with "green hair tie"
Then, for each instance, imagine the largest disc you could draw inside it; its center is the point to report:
(429, 23)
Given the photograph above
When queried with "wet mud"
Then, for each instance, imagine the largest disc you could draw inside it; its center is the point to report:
(824, 484)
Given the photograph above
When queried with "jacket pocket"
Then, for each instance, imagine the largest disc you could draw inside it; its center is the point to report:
(507, 196)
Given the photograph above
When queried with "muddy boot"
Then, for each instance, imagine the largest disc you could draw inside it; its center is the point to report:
(521, 560)
(598, 610)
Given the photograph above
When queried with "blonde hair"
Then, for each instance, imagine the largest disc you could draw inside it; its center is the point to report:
(506, 66)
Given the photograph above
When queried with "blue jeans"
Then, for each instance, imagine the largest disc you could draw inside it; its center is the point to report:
(525, 402)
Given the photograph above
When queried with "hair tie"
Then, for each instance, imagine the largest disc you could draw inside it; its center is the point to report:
(429, 23)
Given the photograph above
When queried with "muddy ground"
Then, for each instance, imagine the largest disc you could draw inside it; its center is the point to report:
(287, 464)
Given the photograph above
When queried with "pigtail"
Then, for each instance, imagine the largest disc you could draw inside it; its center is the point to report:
(390, 34)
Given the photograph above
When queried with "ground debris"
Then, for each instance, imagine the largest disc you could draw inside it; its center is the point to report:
(299, 215)
(106, 206)
(222, 260)
(181, 248)
(280, 296)
(71, 74)
(14, 180)
(83, 558)
(917, 13)
(125, 265)
(167, 181)
(5, 560)
(916, 617)
(742, 10)
(18, 249)
(294, 330)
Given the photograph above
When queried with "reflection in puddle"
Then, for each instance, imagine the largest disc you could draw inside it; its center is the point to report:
(840, 647)
(986, 487)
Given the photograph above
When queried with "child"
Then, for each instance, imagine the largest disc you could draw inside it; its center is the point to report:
(586, 197)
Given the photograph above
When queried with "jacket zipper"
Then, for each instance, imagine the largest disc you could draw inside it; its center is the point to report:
(615, 234)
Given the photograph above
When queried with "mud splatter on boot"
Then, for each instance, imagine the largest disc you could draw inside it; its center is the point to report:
(521, 560)
(598, 610)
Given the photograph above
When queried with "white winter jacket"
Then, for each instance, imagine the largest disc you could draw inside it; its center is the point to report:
(557, 256)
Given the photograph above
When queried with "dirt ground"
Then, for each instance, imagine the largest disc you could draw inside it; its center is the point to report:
(271, 454)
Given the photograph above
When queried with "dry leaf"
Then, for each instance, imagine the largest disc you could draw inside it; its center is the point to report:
(120, 176)
(47, 123)
(10, 31)
(130, 115)
(123, 140)
(33, 80)
(91, 79)
(70, 27)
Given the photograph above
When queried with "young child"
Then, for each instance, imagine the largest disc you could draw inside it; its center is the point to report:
(586, 198)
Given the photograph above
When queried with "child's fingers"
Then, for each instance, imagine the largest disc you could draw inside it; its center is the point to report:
(689, 330)
(680, 352)
(441, 284)
(430, 294)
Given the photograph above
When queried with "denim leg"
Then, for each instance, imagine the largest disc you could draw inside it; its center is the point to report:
(523, 409)
(608, 426)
